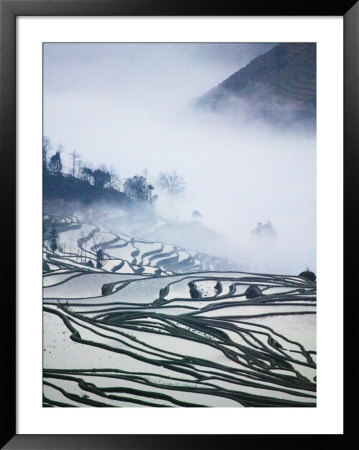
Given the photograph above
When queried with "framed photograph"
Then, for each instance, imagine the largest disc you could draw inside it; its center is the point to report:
(182, 219)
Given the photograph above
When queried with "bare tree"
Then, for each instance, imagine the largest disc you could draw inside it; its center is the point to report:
(172, 183)
(78, 168)
(115, 182)
(74, 156)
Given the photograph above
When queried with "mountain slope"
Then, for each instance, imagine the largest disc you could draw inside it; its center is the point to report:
(283, 77)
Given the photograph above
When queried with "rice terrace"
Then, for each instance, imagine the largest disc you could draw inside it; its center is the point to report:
(191, 283)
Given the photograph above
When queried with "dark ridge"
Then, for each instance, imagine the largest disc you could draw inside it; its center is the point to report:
(285, 75)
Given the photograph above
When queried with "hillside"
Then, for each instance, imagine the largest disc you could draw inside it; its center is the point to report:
(70, 189)
(283, 77)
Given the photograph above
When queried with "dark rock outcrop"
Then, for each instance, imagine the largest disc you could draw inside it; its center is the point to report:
(194, 292)
(253, 291)
(106, 289)
(218, 287)
(308, 275)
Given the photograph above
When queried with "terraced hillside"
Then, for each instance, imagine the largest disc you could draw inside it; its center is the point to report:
(129, 322)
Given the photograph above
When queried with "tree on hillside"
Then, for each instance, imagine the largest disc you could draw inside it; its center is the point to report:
(136, 188)
(87, 173)
(55, 164)
(172, 183)
(115, 182)
(46, 147)
(79, 166)
(150, 189)
(74, 156)
(53, 238)
(101, 177)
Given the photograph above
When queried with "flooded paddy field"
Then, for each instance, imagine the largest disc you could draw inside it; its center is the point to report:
(129, 322)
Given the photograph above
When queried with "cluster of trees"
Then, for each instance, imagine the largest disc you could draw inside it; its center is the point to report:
(264, 229)
(100, 177)
(136, 188)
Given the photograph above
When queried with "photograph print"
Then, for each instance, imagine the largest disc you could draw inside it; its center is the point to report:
(179, 224)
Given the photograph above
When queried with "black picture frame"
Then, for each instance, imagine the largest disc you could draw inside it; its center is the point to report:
(9, 10)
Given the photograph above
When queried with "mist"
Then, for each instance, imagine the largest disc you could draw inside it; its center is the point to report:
(130, 106)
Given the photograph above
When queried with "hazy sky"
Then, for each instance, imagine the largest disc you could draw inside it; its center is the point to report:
(130, 106)
(106, 100)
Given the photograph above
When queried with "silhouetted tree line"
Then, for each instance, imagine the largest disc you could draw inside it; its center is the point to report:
(83, 182)
(100, 177)
(86, 184)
